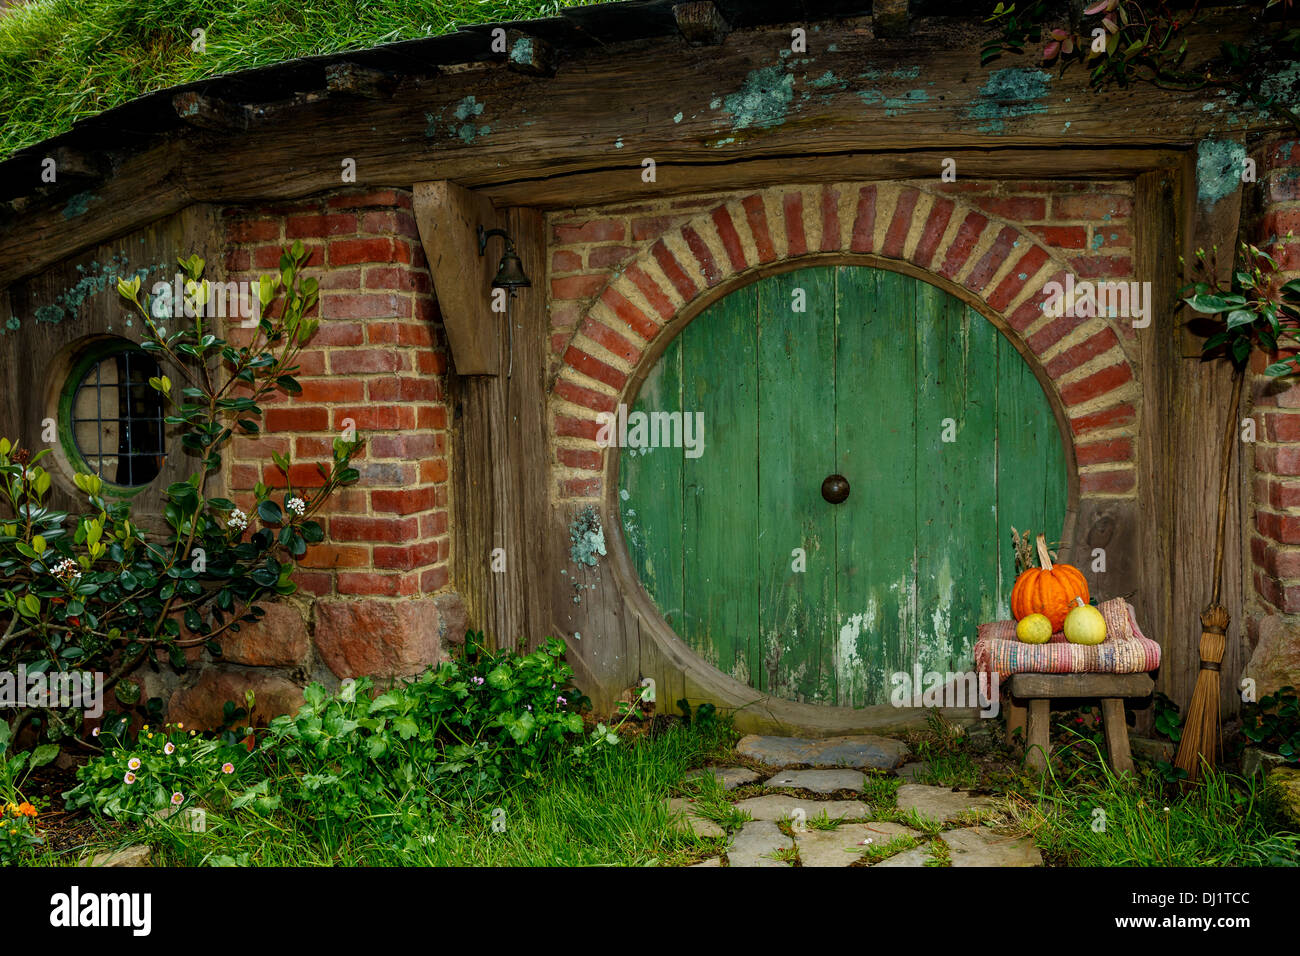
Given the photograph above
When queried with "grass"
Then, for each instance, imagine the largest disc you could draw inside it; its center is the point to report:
(62, 60)
(610, 813)
(1089, 817)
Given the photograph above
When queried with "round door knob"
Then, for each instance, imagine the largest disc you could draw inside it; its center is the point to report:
(835, 488)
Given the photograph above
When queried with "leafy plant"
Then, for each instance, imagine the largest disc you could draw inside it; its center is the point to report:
(1274, 722)
(158, 772)
(99, 592)
(18, 830)
(1168, 720)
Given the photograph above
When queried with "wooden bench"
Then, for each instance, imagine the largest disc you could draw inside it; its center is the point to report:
(1038, 690)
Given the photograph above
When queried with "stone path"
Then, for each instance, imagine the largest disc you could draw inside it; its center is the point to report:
(781, 826)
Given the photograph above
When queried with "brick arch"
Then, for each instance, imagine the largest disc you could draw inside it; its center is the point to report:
(651, 296)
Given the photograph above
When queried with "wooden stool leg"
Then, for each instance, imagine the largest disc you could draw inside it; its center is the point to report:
(1016, 717)
(1112, 715)
(1039, 741)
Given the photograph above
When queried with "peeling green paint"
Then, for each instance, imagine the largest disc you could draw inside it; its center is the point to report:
(466, 129)
(677, 118)
(78, 205)
(1219, 164)
(763, 100)
(1007, 95)
(587, 537)
(905, 103)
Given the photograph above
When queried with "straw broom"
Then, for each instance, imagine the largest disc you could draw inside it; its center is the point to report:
(1201, 728)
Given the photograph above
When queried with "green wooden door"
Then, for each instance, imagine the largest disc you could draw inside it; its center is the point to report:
(942, 430)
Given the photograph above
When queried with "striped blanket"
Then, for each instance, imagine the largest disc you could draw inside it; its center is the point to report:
(1126, 650)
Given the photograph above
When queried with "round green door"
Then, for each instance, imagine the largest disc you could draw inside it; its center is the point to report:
(942, 431)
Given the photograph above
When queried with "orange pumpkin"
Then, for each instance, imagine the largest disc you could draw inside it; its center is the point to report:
(1049, 590)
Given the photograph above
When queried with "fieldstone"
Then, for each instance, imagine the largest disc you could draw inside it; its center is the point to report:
(129, 856)
(684, 818)
(774, 806)
(279, 639)
(755, 844)
(711, 861)
(200, 707)
(1275, 662)
(865, 750)
(939, 803)
(818, 781)
(980, 846)
(378, 638)
(729, 777)
(1151, 749)
(1284, 786)
(910, 771)
(453, 620)
(917, 856)
(846, 843)
(1255, 761)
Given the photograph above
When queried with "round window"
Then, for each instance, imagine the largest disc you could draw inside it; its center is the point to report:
(112, 418)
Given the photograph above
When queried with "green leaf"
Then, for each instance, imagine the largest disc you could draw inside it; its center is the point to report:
(44, 754)
(1278, 368)
(1240, 317)
(270, 512)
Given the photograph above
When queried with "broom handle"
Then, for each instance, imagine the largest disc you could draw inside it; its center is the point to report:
(1229, 440)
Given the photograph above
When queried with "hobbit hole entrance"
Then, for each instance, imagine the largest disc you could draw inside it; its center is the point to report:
(940, 427)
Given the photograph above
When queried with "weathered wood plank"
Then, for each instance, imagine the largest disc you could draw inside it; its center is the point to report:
(650, 494)
(448, 218)
(721, 570)
(796, 427)
(875, 418)
(1031, 686)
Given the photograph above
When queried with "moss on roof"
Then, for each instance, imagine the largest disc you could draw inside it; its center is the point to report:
(62, 60)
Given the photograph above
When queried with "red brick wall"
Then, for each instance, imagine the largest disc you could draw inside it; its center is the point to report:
(620, 276)
(1275, 536)
(380, 579)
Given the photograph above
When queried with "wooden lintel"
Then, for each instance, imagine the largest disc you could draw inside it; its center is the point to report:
(78, 164)
(673, 179)
(351, 79)
(529, 54)
(448, 217)
(206, 112)
(701, 23)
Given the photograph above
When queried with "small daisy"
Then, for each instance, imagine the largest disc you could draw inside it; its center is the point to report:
(129, 778)
(297, 506)
(133, 763)
(227, 768)
(95, 732)
(169, 748)
(177, 798)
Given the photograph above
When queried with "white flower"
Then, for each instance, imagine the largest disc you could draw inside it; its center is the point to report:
(134, 763)
(169, 748)
(67, 570)
(297, 506)
(129, 778)
(238, 520)
(177, 798)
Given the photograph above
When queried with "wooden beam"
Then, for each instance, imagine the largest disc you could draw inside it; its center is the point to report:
(701, 23)
(210, 113)
(890, 18)
(529, 55)
(448, 218)
(351, 79)
(487, 125)
(626, 184)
